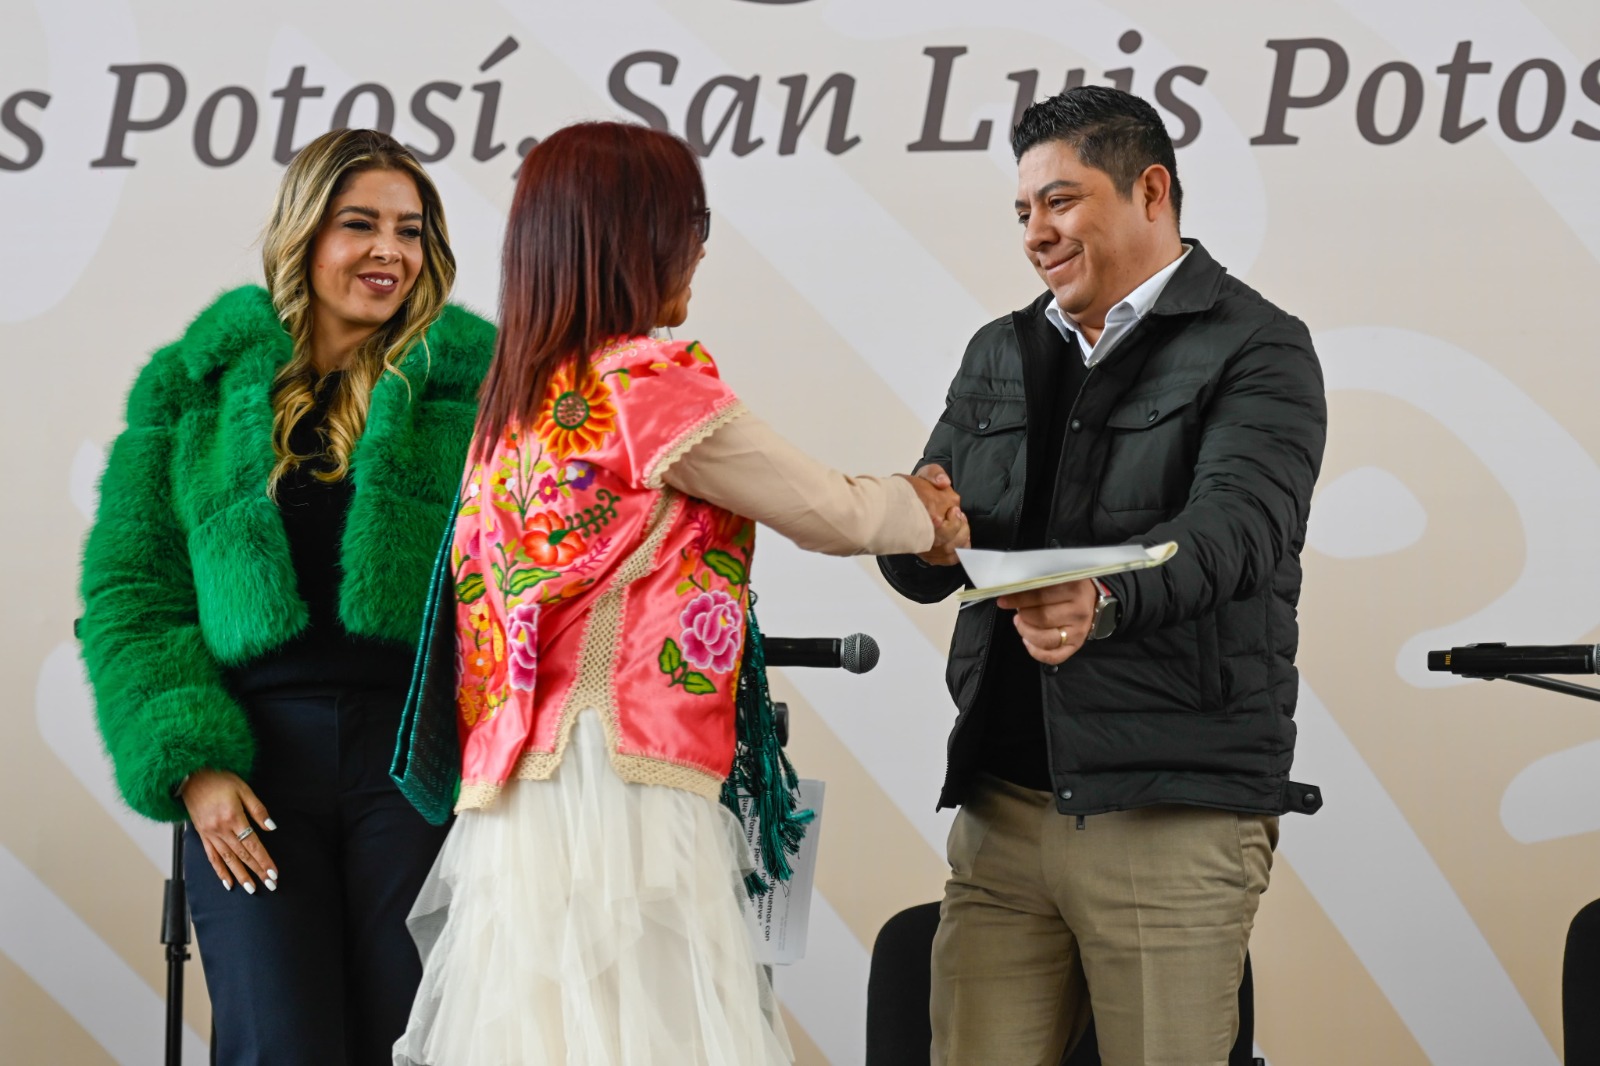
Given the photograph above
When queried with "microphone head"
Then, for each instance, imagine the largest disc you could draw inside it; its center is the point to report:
(858, 653)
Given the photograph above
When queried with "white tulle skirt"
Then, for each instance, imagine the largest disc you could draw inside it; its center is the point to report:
(587, 921)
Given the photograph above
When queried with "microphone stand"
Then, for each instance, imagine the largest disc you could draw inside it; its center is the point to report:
(1549, 684)
(175, 936)
(1577, 960)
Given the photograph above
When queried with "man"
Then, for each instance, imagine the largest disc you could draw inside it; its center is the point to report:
(1122, 748)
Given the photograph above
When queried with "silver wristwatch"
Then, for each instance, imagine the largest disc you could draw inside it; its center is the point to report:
(1106, 611)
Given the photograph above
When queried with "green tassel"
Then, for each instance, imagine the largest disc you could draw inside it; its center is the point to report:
(761, 770)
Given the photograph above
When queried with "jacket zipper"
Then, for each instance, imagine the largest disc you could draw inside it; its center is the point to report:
(1049, 749)
(1136, 332)
(1044, 695)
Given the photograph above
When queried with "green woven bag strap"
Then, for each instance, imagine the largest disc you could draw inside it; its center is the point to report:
(401, 770)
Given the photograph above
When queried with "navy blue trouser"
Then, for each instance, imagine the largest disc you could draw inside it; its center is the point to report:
(321, 972)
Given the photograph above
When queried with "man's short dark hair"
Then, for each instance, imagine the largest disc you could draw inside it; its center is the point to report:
(1112, 131)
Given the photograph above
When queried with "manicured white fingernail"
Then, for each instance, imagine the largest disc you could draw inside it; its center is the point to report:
(272, 875)
(269, 824)
(228, 885)
(249, 887)
(272, 886)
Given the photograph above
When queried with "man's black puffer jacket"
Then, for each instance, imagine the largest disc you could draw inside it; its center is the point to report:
(1204, 426)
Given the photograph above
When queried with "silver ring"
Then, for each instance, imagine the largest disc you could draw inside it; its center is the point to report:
(244, 834)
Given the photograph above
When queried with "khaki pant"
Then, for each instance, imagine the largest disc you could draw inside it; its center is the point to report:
(1146, 912)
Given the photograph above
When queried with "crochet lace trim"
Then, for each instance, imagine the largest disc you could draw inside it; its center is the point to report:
(476, 796)
(689, 438)
(638, 769)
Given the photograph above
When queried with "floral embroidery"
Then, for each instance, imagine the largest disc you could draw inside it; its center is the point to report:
(472, 700)
(480, 663)
(536, 526)
(716, 527)
(713, 630)
(549, 543)
(522, 632)
(579, 418)
(524, 482)
(678, 672)
(691, 356)
(575, 477)
(579, 476)
(713, 620)
(502, 482)
(593, 519)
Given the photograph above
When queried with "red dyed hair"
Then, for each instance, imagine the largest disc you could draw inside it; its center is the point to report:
(604, 229)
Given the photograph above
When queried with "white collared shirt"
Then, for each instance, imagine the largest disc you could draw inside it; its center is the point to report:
(1120, 320)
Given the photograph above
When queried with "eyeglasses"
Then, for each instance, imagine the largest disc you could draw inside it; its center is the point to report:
(704, 218)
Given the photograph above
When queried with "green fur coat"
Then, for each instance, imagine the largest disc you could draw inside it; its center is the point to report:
(187, 569)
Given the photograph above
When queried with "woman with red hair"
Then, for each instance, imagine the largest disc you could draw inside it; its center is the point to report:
(585, 907)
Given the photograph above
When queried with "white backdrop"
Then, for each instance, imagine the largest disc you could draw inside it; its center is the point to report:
(1414, 181)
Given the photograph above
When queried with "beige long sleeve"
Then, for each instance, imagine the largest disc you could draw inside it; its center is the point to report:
(746, 467)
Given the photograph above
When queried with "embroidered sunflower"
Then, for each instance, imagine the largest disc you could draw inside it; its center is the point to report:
(577, 418)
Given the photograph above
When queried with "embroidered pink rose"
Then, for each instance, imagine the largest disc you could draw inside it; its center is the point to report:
(713, 629)
(522, 631)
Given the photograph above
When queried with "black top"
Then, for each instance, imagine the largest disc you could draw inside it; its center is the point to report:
(325, 655)
(1012, 702)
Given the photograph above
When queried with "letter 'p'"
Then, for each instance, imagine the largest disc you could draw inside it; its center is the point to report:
(1283, 81)
(122, 120)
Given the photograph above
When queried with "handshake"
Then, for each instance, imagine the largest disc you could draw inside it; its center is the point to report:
(1053, 622)
(950, 529)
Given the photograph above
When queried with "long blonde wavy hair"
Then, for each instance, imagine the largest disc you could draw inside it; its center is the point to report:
(315, 177)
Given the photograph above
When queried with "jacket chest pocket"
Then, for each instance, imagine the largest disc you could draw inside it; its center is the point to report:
(987, 453)
(1150, 457)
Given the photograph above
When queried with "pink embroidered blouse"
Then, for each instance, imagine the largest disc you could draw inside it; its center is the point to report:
(602, 561)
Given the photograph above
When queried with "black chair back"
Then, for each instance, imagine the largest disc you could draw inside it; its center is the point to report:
(1580, 988)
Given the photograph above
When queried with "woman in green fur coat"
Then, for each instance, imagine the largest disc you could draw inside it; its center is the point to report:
(253, 588)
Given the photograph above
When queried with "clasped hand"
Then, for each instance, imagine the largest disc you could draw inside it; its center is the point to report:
(950, 530)
(944, 508)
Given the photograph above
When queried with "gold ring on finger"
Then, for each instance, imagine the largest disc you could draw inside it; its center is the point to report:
(1063, 644)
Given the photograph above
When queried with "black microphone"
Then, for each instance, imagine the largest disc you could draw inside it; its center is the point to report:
(1498, 660)
(856, 653)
